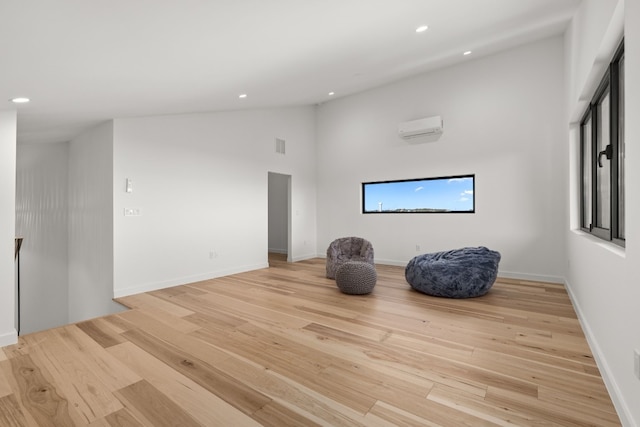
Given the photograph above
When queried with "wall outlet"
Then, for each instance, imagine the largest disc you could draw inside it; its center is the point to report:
(417, 248)
(636, 363)
(132, 212)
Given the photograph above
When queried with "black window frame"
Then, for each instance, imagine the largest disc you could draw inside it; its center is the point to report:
(609, 85)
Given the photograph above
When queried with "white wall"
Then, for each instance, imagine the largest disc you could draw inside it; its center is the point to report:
(8, 333)
(603, 279)
(503, 122)
(41, 219)
(91, 224)
(278, 213)
(200, 184)
(598, 24)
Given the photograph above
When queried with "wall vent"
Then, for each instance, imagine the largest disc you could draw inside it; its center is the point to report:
(280, 146)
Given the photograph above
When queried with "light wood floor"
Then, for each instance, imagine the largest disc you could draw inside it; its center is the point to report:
(283, 347)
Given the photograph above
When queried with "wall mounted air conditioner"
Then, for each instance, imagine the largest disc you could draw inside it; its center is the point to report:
(422, 127)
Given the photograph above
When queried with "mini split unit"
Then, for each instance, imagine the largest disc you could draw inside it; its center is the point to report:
(423, 127)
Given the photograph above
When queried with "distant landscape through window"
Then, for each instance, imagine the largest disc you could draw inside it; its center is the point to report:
(451, 194)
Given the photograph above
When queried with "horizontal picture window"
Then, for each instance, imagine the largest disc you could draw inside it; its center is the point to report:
(448, 194)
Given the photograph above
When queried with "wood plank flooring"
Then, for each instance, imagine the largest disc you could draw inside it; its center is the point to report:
(283, 347)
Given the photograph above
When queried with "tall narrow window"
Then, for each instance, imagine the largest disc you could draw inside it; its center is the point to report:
(602, 157)
(621, 152)
(586, 175)
(603, 169)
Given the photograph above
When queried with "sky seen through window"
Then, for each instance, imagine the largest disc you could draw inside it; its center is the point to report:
(449, 194)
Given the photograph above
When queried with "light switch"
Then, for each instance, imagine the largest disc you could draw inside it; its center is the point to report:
(129, 186)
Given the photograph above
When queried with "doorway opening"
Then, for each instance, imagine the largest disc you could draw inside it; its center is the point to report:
(279, 213)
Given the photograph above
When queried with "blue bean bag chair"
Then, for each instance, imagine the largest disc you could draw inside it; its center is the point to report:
(459, 273)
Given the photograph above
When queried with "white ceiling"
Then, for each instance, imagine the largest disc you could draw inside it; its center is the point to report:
(85, 61)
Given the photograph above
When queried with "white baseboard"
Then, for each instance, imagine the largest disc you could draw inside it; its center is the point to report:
(377, 260)
(531, 277)
(501, 273)
(304, 257)
(391, 262)
(278, 251)
(148, 287)
(605, 370)
(9, 338)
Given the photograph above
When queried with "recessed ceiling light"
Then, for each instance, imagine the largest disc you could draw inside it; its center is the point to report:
(242, 95)
(331, 93)
(467, 53)
(20, 100)
(422, 29)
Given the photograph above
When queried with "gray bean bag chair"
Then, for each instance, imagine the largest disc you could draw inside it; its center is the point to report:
(459, 273)
(347, 249)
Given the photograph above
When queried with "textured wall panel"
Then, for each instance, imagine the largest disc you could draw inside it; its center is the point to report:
(41, 219)
(7, 226)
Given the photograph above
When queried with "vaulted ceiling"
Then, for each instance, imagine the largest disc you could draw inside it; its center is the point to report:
(82, 62)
